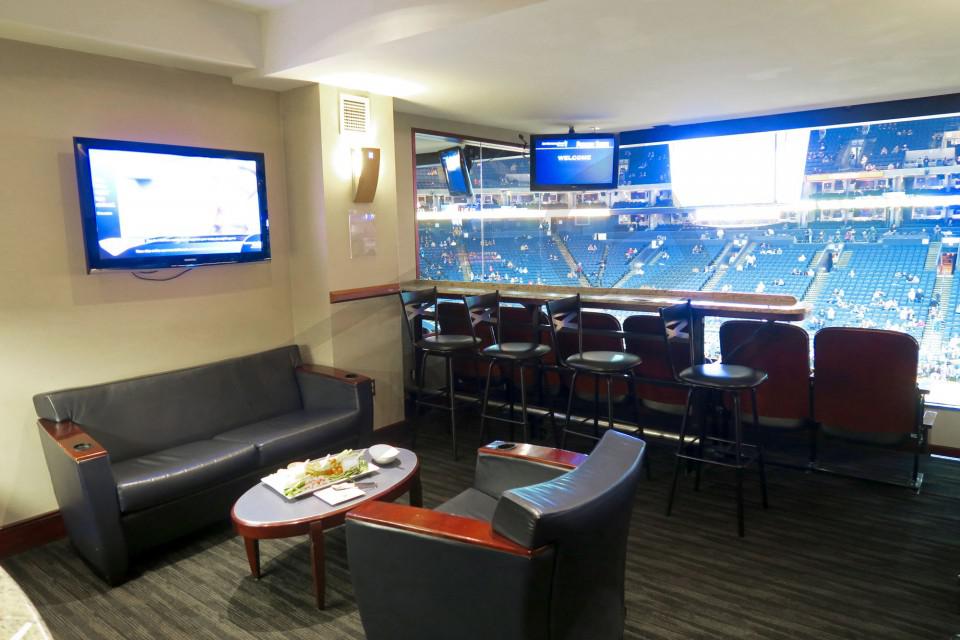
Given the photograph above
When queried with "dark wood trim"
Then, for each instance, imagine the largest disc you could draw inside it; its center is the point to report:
(33, 532)
(435, 523)
(364, 293)
(74, 441)
(534, 453)
(332, 372)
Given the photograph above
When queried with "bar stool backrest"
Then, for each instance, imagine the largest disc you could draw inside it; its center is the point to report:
(781, 350)
(484, 313)
(677, 330)
(416, 307)
(565, 315)
(645, 339)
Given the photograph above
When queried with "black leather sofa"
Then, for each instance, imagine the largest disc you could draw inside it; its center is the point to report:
(139, 462)
(535, 550)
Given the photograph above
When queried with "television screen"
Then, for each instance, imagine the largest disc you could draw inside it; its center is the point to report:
(573, 162)
(150, 206)
(454, 167)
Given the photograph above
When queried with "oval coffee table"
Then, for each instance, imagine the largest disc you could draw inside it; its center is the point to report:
(262, 513)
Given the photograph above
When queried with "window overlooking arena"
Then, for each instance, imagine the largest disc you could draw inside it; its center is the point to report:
(859, 221)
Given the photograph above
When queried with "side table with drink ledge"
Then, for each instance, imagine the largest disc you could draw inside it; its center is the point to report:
(262, 513)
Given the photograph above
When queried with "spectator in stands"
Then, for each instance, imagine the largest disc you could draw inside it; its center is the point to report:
(760, 287)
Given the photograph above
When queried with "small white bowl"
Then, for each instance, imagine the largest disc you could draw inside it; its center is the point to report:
(383, 453)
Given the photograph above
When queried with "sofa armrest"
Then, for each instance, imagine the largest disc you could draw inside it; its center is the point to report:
(437, 524)
(74, 441)
(86, 491)
(324, 387)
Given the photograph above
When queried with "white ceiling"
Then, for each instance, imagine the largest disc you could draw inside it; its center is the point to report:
(540, 65)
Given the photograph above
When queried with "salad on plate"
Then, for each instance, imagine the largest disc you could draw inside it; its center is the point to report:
(300, 478)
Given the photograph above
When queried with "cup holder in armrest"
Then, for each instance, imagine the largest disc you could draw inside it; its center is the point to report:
(350, 376)
(507, 445)
(82, 446)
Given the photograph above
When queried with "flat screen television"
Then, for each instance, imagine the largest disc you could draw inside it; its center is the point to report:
(154, 206)
(455, 169)
(573, 162)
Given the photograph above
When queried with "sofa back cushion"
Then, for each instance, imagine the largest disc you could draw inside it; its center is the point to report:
(141, 415)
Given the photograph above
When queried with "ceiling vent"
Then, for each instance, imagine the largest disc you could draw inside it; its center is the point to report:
(354, 114)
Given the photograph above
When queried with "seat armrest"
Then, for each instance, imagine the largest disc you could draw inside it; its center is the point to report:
(86, 492)
(74, 441)
(520, 465)
(561, 458)
(342, 375)
(324, 387)
(470, 531)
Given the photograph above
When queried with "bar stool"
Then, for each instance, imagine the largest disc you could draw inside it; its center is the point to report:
(416, 307)
(485, 310)
(566, 314)
(714, 377)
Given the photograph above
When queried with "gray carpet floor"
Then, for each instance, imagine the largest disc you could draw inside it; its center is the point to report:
(833, 558)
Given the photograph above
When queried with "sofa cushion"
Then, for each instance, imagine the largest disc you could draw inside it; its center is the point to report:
(294, 435)
(134, 417)
(155, 478)
(471, 504)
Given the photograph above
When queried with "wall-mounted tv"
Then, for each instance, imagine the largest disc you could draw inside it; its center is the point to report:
(455, 169)
(573, 162)
(153, 206)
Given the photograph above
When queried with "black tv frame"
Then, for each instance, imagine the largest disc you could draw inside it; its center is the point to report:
(463, 167)
(95, 262)
(538, 186)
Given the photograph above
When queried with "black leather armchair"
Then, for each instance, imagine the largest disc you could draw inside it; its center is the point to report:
(534, 550)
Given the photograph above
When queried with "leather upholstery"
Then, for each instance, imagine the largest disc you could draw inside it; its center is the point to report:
(413, 586)
(516, 351)
(160, 479)
(603, 361)
(148, 480)
(447, 343)
(722, 376)
(471, 504)
(150, 413)
(279, 439)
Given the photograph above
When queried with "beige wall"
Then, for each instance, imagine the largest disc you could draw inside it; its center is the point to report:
(365, 335)
(60, 327)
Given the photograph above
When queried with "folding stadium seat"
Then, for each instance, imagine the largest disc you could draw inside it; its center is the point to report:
(865, 391)
(783, 352)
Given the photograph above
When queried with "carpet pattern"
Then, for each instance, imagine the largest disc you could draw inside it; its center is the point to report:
(833, 558)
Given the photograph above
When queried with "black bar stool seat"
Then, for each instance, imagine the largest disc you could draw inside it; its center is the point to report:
(516, 351)
(444, 344)
(714, 379)
(603, 361)
(723, 377)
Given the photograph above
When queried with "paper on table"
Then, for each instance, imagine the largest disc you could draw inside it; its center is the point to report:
(334, 495)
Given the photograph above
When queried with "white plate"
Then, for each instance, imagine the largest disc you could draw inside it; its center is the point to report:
(278, 480)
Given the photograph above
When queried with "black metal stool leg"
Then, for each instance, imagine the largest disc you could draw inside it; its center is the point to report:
(513, 373)
(596, 405)
(421, 374)
(566, 428)
(610, 401)
(759, 436)
(632, 380)
(680, 448)
(483, 407)
(701, 421)
(738, 450)
(453, 406)
(523, 406)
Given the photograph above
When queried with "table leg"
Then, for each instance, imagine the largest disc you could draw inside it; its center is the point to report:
(317, 560)
(253, 555)
(416, 491)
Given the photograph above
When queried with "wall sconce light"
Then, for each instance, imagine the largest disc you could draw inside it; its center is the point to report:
(366, 173)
